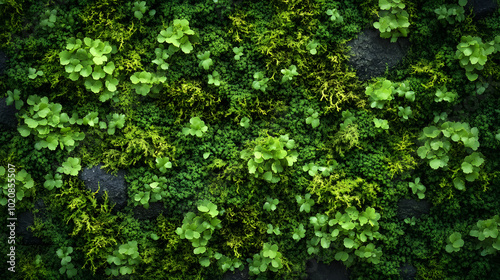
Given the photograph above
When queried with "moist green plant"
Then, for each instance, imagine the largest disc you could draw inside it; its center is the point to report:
(312, 118)
(382, 124)
(245, 122)
(145, 82)
(152, 192)
(214, 79)
(114, 121)
(48, 19)
(225, 263)
(305, 202)
(271, 204)
(380, 93)
(487, 231)
(454, 242)
(271, 229)
(348, 119)
(163, 164)
(473, 54)
(335, 15)
(313, 169)
(197, 127)
(70, 167)
(442, 94)
(161, 56)
(53, 181)
(50, 127)
(140, 9)
(260, 82)
(299, 232)
(14, 97)
(289, 73)
(393, 22)
(24, 186)
(91, 119)
(405, 113)
(179, 35)
(311, 47)
(67, 267)
(32, 73)
(270, 156)
(418, 188)
(238, 52)
(124, 260)
(452, 13)
(403, 90)
(267, 259)
(206, 61)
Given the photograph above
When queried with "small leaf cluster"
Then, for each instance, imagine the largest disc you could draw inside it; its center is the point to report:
(205, 60)
(32, 73)
(442, 94)
(238, 52)
(124, 259)
(403, 89)
(312, 118)
(91, 119)
(270, 156)
(161, 56)
(473, 54)
(152, 192)
(52, 181)
(312, 169)
(260, 82)
(380, 93)
(305, 202)
(454, 242)
(179, 35)
(51, 128)
(311, 47)
(393, 22)
(299, 232)
(23, 185)
(271, 204)
(379, 123)
(418, 188)
(67, 267)
(405, 112)
(225, 263)
(289, 73)
(197, 127)
(245, 122)
(348, 119)
(88, 59)
(452, 13)
(214, 79)
(140, 9)
(14, 97)
(48, 19)
(487, 231)
(271, 229)
(349, 232)
(114, 121)
(163, 163)
(143, 82)
(267, 259)
(335, 15)
(70, 167)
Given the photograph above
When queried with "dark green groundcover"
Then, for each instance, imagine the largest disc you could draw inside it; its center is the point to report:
(245, 125)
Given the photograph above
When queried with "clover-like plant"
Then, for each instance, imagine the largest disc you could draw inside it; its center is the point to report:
(271, 229)
(271, 204)
(161, 56)
(152, 192)
(140, 9)
(24, 186)
(405, 113)
(91, 119)
(299, 232)
(163, 163)
(238, 52)
(379, 123)
(225, 263)
(115, 121)
(488, 233)
(305, 202)
(48, 18)
(452, 13)
(197, 127)
(404, 90)
(313, 169)
(472, 54)
(206, 61)
(335, 15)
(270, 156)
(312, 118)
(418, 188)
(442, 94)
(144, 82)
(245, 122)
(393, 22)
(124, 259)
(260, 82)
(214, 79)
(32, 73)
(67, 267)
(455, 242)
(14, 98)
(380, 93)
(70, 167)
(348, 119)
(268, 259)
(289, 73)
(311, 47)
(179, 35)
(53, 181)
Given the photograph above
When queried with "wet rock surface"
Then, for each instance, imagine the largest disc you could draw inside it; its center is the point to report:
(408, 208)
(96, 178)
(154, 210)
(320, 271)
(8, 114)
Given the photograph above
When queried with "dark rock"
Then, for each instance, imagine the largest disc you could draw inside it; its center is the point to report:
(371, 55)
(236, 275)
(408, 208)
(8, 114)
(154, 210)
(320, 271)
(25, 220)
(3, 63)
(408, 272)
(115, 185)
(482, 8)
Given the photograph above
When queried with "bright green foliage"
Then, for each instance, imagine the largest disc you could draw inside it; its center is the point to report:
(245, 122)
(270, 156)
(161, 56)
(197, 127)
(214, 79)
(14, 98)
(289, 73)
(410, 221)
(238, 52)
(51, 128)
(313, 169)
(455, 242)
(393, 22)
(271, 229)
(335, 15)
(260, 82)
(472, 54)
(471, 164)
(163, 163)
(140, 9)
(452, 13)
(442, 94)
(153, 192)
(179, 35)
(379, 123)
(487, 231)
(32, 73)
(305, 202)
(88, 59)
(70, 167)
(206, 61)
(348, 232)
(348, 119)
(67, 267)
(380, 93)
(312, 118)
(405, 113)
(268, 259)
(199, 228)
(144, 81)
(271, 203)
(299, 232)
(417, 188)
(225, 263)
(91, 119)
(115, 121)
(440, 117)
(311, 47)
(404, 90)
(23, 185)
(52, 181)
(124, 259)
(48, 18)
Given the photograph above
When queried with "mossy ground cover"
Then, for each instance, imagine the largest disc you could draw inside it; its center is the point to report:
(246, 121)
